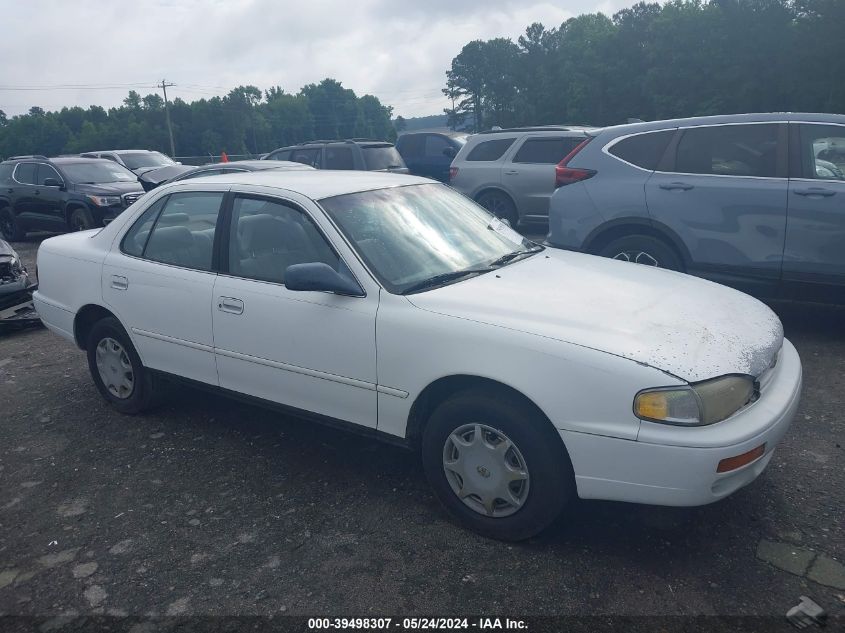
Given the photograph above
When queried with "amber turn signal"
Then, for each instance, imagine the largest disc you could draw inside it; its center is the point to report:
(732, 463)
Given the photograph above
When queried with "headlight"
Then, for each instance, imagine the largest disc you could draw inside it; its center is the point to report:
(104, 201)
(699, 404)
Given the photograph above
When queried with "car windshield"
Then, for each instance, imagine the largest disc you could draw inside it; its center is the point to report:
(138, 160)
(422, 236)
(101, 171)
(382, 157)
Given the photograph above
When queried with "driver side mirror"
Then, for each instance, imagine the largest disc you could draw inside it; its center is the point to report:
(451, 152)
(52, 182)
(320, 277)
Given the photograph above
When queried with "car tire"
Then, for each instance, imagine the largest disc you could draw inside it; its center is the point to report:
(500, 205)
(80, 220)
(117, 370)
(643, 249)
(10, 228)
(489, 420)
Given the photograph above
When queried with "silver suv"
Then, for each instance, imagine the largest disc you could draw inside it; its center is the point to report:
(512, 172)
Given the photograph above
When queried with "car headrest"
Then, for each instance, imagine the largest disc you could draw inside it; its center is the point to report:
(263, 233)
(170, 238)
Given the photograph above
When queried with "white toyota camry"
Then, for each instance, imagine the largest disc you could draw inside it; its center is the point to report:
(394, 305)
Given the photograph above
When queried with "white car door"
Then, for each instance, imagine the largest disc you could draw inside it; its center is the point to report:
(313, 351)
(158, 280)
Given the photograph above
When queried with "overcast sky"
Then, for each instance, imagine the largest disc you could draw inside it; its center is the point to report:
(397, 50)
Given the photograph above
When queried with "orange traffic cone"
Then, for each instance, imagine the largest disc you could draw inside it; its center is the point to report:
(224, 158)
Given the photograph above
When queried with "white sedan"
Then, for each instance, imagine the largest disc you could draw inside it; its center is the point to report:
(396, 306)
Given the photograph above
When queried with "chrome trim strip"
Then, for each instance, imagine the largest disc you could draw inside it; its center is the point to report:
(170, 339)
(390, 391)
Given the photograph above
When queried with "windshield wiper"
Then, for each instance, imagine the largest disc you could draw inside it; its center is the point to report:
(508, 257)
(443, 278)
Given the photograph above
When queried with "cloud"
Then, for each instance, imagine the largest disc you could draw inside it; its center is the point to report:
(398, 51)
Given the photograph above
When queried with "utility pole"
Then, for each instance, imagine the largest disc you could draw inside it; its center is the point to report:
(164, 85)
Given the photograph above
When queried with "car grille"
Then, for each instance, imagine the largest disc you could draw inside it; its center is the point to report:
(129, 198)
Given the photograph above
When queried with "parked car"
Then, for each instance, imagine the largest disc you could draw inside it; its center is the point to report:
(234, 167)
(138, 161)
(430, 154)
(62, 194)
(16, 288)
(755, 201)
(398, 307)
(511, 172)
(359, 154)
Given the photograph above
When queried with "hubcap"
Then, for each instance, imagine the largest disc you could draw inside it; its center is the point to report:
(115, 368)
(486, 470)
(637, 257)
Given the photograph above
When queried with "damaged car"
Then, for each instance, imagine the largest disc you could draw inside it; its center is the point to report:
(16, 289)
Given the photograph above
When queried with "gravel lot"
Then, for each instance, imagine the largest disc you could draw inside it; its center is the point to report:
(212, 507)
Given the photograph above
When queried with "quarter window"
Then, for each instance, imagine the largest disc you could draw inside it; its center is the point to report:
(490, 150)
(729, 150)
(25, 173)
(136, 238)
(268, 236)
(546, 151)
(643, 150)
(823, 152)
(183, 235)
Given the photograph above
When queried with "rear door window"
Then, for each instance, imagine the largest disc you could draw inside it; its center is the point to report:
(729, 150)
(643, 150)
(183, 235)
(546, 151)
(490, 150)
(25, 173)
(339, 158)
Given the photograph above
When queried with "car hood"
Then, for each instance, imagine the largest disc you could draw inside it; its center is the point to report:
(109, 188)
(152, 178)
(6, 249)
(685, 326)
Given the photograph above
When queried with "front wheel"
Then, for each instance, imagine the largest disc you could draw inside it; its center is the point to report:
(496, 464)
(500, 205)
(643, 249)
(81, 220)
(117, 370)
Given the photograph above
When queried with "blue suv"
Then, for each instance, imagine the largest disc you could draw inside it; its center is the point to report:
(753, 201)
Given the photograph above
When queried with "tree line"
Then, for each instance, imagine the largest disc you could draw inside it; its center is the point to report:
(245, 121)
(656, 61)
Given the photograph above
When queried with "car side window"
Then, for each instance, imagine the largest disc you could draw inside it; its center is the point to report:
(283, 155)
(25, 173)
(310, 156)
(339, 158)
(490, 150)
(729, 150)
(546, 151)
(267, 236)
(183, 235)
(411, 145)
(643, 150)
(823, 152)
(45, 172)
(434, 146)
(135, 240)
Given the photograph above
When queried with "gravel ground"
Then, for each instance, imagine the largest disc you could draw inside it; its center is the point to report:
(211, 507)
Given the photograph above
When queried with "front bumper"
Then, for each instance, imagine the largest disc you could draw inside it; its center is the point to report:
(676, 466)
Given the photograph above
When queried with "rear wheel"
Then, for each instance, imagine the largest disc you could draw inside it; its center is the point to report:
(81, 219)
(643, 249)
(10, 229)
(117, 370)
(496, 464)
(500, 205)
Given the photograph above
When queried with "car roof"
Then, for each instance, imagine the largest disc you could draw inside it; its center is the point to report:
(761, 117)
(314, 183)
(120, 151)
(70, 160)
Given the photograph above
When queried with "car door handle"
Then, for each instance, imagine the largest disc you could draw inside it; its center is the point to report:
(512, 173)
(675, 186)
(119, 283)
(230, 305)
(815, 191)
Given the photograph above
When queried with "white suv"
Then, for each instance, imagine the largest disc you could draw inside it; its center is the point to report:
(512, 172)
